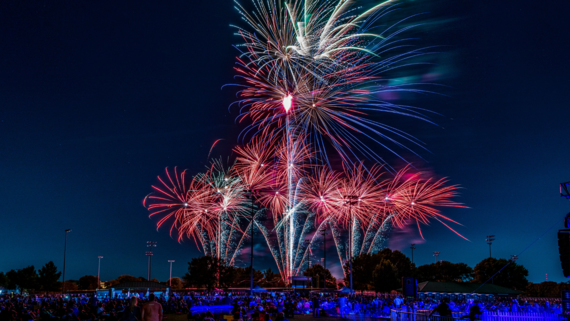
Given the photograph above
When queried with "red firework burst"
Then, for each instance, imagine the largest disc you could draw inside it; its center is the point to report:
(187, 202)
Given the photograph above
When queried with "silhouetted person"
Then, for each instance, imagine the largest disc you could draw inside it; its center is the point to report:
(132, 312)
(474, 311)
(443, 310)
(152, 310)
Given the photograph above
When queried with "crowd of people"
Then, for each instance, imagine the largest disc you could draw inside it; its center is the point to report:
(260, 307)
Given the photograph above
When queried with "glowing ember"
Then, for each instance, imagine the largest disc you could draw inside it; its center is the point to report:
(288, 102)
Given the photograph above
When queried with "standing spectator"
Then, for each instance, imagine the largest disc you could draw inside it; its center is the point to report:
(342, 303)
(152, 310)
(132, 312)
(443, 309)
(474, 311)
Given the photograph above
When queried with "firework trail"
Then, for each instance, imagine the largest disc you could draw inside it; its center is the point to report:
(228, 201)
(312, 74)
(212, 208)
(275, 186)
(378, 205)
(207, 208)
(330, 60)
(366, 202)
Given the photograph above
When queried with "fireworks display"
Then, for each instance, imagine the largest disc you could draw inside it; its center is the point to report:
(328, 61)
(313, 73)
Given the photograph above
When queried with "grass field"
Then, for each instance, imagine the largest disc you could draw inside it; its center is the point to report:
(182, 317)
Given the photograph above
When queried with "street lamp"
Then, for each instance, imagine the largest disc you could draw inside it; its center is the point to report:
(490, 239)
(436, 255)
(170, 261)
(350, 200)
(324, 233)
(99, 272)
(309, 262)
(150, 244)
(413, 247)
(64, 254)
(251, 194)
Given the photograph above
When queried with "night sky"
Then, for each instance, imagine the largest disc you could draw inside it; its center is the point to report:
(98, 97)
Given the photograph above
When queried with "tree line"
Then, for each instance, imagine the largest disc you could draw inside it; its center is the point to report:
(383, 271)
(45, 279)
(380, 272)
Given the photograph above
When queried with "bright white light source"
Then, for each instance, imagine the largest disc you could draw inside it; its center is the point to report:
(288, 102)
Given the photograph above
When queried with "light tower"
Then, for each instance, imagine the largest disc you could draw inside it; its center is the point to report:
(170, 261)
(64, 254)
(350, 200)
(413, 247)
(490, 239)
(150, 244)
(436, 255)
(99, 272)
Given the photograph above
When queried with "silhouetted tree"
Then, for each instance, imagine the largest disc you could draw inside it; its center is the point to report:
(226, 275)
(363, 266)
(208, 271)
(444, 271)
(270, 278)
(513, 275)
(242, 277)
(385, 277)
(26, 278)
(318, 272)
(69, 286)
(122, 279)
(88, 282)
(3, 280)
(546, 289)
(176, 283)
(48, 277)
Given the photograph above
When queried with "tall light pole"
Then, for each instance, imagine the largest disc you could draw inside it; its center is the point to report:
(250, 193)
(150, 244)
(413, 247)
(436, 255)
(309, 263)
(170, 261)
(325, 247)
(350, 200)
(99, 272)
(149, 254)
(490, 239)
(64, 254)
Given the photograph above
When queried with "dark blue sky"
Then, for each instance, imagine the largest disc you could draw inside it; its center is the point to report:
(97, 98)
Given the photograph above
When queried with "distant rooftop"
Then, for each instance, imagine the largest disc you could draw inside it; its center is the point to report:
(452, 287)
(140, 285)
